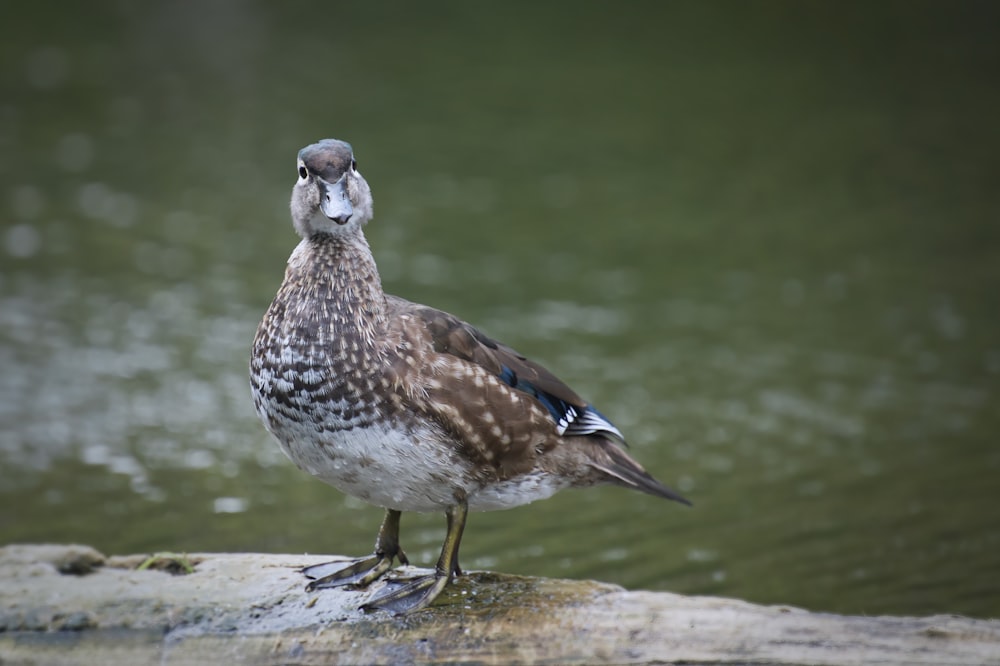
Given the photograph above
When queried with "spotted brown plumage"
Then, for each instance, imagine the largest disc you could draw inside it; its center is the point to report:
(404, 406)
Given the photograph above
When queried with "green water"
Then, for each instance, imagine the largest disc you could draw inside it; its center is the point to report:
(764, 238)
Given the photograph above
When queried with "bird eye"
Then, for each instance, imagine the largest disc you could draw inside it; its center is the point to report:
(354, 165)
(303, 172)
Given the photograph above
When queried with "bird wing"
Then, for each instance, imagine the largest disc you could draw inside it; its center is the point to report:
(502, 406)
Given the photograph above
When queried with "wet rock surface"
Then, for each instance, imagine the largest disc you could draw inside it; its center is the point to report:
(69, 604)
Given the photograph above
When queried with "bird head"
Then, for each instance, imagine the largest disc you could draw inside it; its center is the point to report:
(331, 196)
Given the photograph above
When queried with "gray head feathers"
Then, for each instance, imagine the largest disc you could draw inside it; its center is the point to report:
(330, 197)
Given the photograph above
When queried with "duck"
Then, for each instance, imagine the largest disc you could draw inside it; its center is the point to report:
(405, 406)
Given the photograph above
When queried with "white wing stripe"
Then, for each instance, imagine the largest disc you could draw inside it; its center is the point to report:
(590, 423)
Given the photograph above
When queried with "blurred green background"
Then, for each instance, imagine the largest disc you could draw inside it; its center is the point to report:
(762, 237)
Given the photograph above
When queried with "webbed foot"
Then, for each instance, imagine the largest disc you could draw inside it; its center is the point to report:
(418, 593)
(363, 571)
(421, 592)
(360, 573)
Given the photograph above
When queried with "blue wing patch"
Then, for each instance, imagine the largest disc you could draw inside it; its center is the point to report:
(570, 419)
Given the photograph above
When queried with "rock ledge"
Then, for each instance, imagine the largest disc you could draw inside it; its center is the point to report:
(68, 604)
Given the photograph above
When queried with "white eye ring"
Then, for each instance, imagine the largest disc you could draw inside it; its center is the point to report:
(303, 172)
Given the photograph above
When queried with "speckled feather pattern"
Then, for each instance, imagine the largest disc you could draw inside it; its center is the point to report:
(349, 383)
(399, 404)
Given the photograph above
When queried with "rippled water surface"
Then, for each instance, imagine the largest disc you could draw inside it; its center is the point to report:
(763, 239)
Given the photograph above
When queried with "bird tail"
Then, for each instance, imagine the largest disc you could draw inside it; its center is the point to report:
(622, 470)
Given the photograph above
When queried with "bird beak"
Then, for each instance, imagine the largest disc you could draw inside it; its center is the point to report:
(334, 201)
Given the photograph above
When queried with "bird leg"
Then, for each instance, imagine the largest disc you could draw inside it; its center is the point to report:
(423, 590)
(364, 570)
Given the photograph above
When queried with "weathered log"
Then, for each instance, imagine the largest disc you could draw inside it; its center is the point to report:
(71, 605)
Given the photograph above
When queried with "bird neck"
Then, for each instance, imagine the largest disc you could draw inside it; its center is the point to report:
(338, 287)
